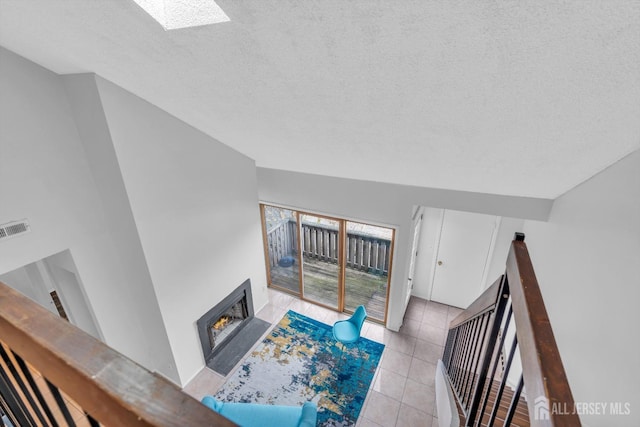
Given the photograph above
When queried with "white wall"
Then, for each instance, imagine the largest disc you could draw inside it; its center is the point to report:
(587, 260)
(56, 272)
(162, 221)
(505, 233)
(387, 204)
(195, 205)
(46, 177)
(66, 280)
(26, 281)
(93, 129)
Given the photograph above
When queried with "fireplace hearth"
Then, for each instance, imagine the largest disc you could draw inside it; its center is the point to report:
(229, 329)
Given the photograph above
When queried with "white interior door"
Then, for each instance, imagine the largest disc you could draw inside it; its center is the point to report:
(462, 256)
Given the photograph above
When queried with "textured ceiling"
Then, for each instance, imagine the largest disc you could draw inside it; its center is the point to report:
(521, 97)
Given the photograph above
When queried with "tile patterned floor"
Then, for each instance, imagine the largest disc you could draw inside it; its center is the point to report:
(403, 390)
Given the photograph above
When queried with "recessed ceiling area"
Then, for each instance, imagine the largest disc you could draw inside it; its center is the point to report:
(519, 98)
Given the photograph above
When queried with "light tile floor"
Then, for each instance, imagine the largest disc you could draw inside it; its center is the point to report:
(403, 390)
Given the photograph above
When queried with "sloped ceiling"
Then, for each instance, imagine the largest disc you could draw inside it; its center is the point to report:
(524, 98)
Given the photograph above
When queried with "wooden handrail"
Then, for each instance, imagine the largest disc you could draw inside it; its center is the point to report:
(477, 342)
(110, 387)
(542, 367)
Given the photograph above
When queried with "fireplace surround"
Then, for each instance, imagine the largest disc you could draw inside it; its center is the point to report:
(218, 326)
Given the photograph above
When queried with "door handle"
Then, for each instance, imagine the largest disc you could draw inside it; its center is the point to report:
(439, 262)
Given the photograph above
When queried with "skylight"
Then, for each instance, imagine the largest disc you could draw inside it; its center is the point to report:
(176, 14)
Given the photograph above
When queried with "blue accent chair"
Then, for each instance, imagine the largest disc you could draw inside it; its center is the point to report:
(348, 331)
(259, 415)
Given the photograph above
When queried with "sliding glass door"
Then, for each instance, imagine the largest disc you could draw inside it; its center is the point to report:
(368, 261)
(281, 247)
(329, 261)
(321, 260)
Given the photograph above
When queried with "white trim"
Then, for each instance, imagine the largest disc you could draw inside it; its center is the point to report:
(417, 222)
(435, 256)
(487, 261)
(330, 214)
(445, 401)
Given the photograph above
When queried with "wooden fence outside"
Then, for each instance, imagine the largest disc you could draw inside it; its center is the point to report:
(281, 240)
(364, 252)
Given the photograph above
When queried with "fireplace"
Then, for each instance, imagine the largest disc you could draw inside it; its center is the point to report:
(218, 326)
(228, 322)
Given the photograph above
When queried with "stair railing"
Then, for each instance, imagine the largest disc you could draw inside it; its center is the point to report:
(478, 340)
(54, 374)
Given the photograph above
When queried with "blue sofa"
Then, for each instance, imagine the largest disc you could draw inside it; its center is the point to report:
(257, 415)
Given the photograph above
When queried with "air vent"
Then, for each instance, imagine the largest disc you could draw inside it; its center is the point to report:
(12, 229)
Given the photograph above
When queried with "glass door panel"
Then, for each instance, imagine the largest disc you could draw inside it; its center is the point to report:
(329, 261)
(368, 260)
(320, 240)
(281, 230)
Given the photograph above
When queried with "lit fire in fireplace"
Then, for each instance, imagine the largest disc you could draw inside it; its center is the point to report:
(221, 323)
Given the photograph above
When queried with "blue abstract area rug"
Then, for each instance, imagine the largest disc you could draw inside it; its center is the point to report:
(299, 361)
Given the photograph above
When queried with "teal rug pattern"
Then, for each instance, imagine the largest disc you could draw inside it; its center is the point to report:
(299, 361)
